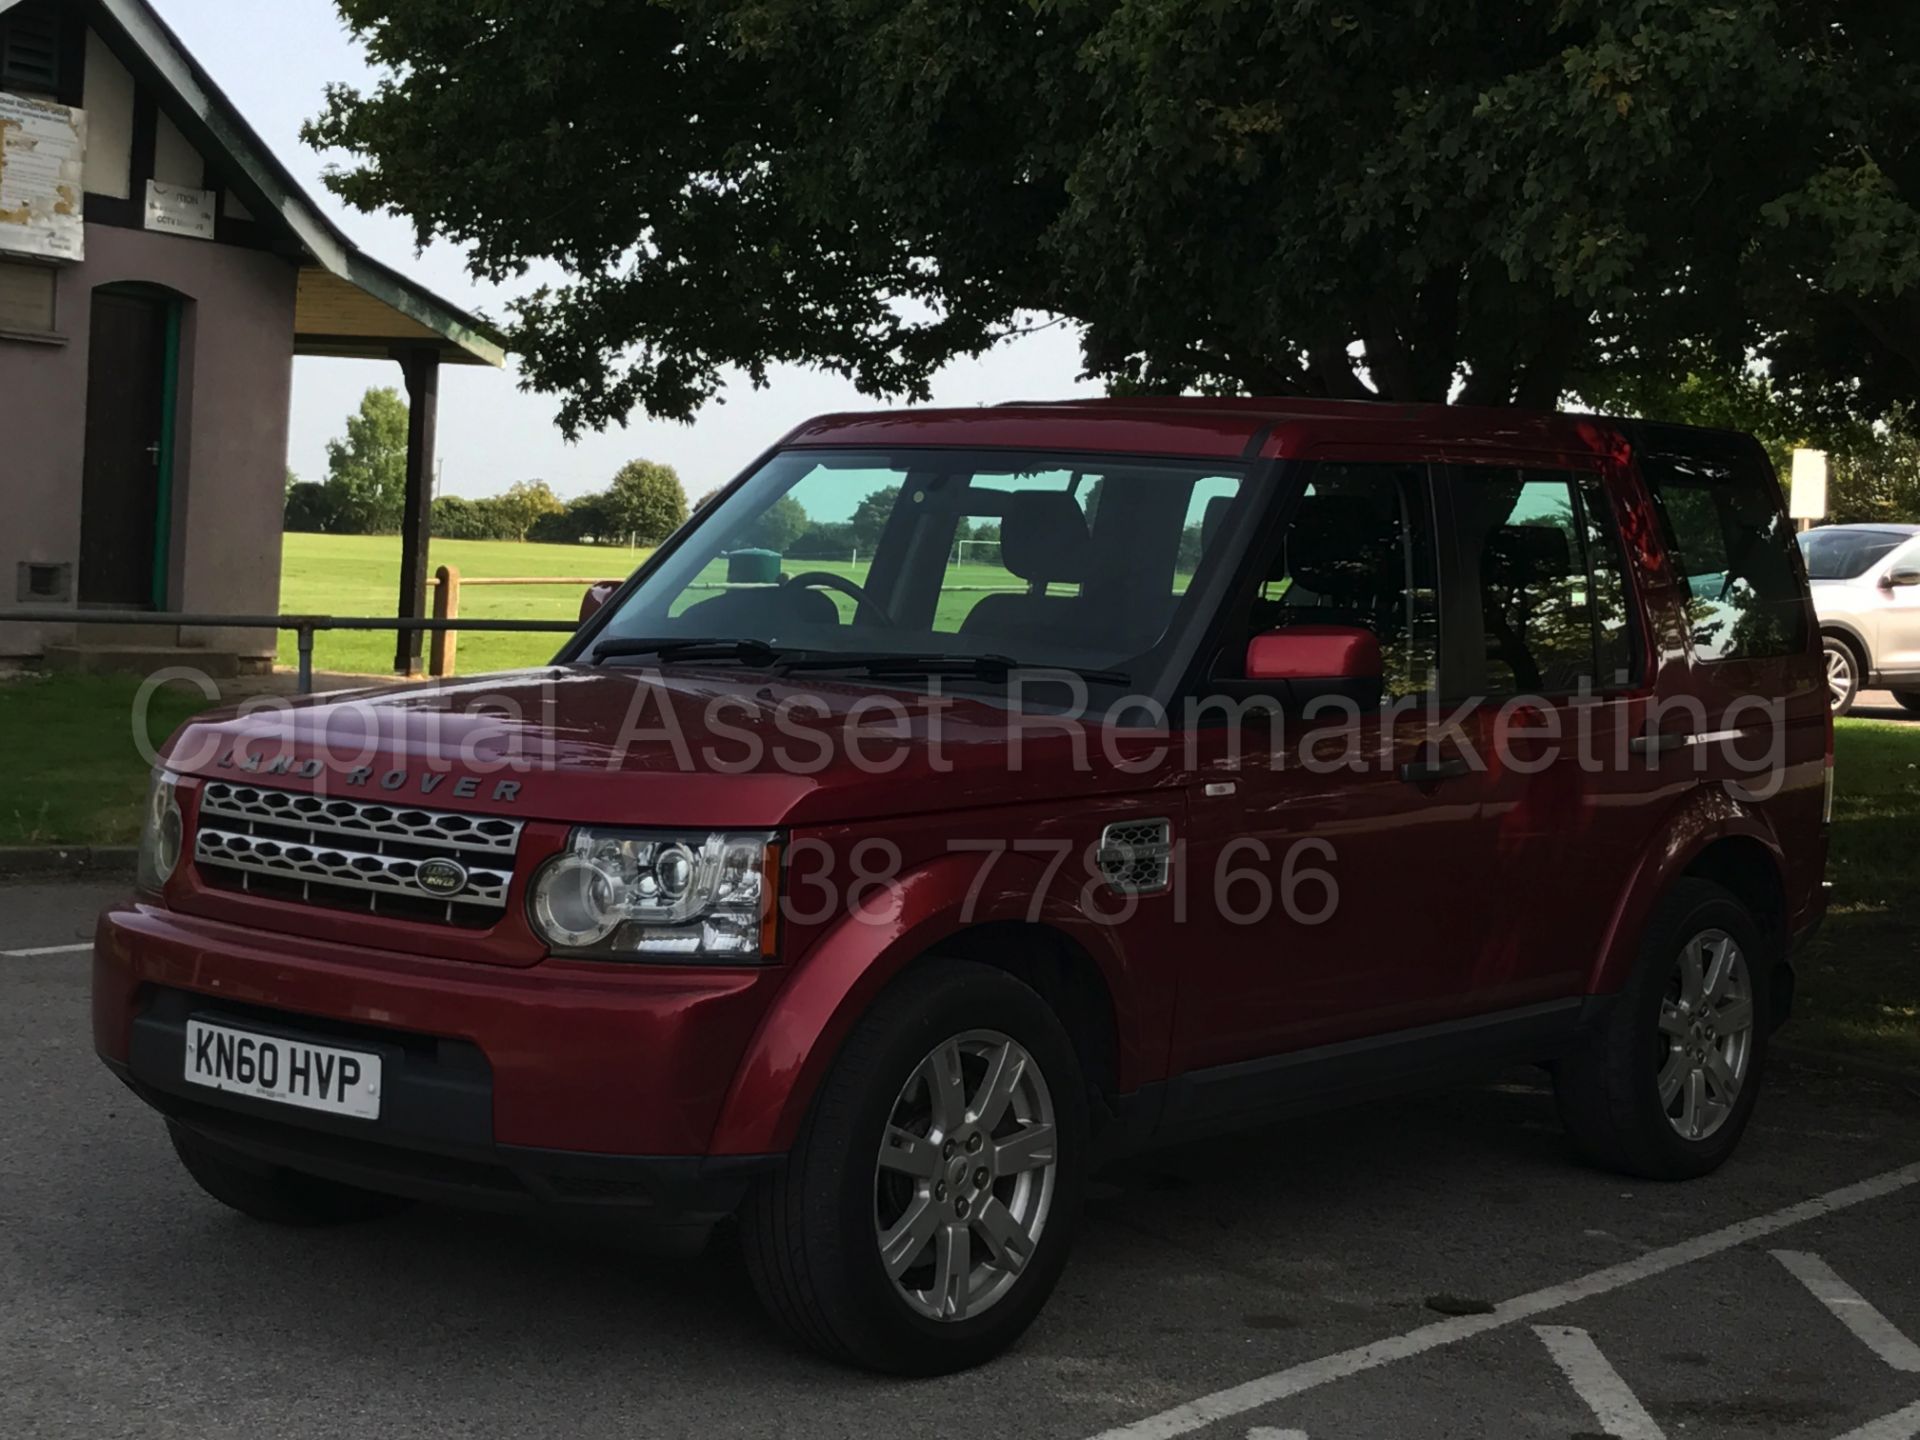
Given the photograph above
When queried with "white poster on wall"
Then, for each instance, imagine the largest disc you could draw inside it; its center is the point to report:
(43, 150)
(180, 210)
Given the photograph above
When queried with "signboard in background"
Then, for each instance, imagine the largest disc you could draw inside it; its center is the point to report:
(43, 148)
(1809, 498)
(180, 210)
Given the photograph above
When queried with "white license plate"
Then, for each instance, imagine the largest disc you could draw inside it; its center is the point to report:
(292, 1072)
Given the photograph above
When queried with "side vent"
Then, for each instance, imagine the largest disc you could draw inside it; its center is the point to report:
(1133, 855)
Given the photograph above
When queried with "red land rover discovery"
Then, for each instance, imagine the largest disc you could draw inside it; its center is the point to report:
(963, 798)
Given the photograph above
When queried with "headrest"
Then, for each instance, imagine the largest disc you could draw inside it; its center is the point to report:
(1526, 554)
(1211, 519)
(1344, 547)
(1043, 536)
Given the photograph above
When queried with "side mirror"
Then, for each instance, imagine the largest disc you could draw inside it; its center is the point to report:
(595, 597)
(1305, 662)
(1899, 579)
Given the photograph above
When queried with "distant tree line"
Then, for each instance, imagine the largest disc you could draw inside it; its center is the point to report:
(366, 485)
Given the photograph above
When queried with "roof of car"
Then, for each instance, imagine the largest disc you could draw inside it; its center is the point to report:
(1230, 427)
(1869, 527)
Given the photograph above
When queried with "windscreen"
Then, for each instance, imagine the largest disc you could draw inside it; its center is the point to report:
(1846, 554)
(1047, 560)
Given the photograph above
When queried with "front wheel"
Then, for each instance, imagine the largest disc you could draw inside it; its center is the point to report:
(1664, 1086)
(1909, 700)
(927, 1208)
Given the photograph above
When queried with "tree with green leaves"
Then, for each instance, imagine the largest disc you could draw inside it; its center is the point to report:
(1413, 200)
(585, 518)
(367, 467)
(309, 507)
(524, 504)
(778, 526)
(870, 517)
(646, 502)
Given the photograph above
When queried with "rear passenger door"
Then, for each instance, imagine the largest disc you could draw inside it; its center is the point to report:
(1555, 651)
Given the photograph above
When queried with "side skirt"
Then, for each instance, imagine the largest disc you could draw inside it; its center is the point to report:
(1255, 1092)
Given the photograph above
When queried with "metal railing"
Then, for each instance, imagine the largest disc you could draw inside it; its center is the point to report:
(303, 626)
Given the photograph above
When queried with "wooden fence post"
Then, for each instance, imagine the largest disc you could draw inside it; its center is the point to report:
(446, 606)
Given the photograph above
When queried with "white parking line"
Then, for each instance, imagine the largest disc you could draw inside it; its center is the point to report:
(1252, 1394)
(46, 950)
(1852, 1310)
(1595, 1381)
(1901, 1425)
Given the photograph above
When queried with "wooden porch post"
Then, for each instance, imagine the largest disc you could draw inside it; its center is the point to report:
(422, 368)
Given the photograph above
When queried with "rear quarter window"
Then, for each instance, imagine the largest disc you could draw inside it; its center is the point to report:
(1733, 547)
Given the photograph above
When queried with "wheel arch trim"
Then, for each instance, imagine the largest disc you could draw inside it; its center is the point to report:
(1706, 818)
(1848, 631)
(842, 973)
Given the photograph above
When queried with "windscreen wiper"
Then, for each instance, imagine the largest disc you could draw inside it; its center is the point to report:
(746, 652)
(984, 667)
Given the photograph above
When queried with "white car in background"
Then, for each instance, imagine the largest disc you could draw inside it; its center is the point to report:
(1866, 591)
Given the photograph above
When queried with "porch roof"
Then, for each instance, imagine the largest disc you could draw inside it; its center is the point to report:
(348, 303)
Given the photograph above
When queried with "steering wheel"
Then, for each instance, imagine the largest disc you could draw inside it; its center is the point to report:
(827, 580)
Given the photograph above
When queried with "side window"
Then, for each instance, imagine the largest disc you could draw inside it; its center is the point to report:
(1358, 550)
(1729, 537)
(1540, 549)
(978, 563)
(1201, 530)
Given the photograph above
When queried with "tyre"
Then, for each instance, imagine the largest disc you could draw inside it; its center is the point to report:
(927, 1208)
(272, 1193)
(1845, 674)
(1664, 1086)
(1909, 700)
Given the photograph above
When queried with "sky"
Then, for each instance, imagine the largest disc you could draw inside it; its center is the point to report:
(274, 59)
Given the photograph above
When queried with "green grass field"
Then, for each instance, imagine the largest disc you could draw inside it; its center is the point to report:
(1860, 981)
(360, 575)
(77, 775)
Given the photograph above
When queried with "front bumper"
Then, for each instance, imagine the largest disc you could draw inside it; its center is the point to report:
(560, 1085)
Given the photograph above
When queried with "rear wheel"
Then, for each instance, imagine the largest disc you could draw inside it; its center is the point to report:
(927, 1208)
(1664, 1087)
(1845, 673)
(1909, 700)
(271, 1192)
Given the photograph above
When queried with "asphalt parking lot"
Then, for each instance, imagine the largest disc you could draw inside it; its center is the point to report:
(1880, 705)
(1429, 1267)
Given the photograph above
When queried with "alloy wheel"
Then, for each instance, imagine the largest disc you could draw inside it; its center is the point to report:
(1706, 1019)
(1839, 675)
(965, 1176)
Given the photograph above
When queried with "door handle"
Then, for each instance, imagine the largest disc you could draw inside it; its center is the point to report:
(1659, 742)
(1431, 772)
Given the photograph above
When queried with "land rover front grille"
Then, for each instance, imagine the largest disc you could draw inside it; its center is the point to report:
(354, 854)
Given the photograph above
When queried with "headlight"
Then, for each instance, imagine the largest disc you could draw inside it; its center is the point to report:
(654, 895)
(162, 834)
